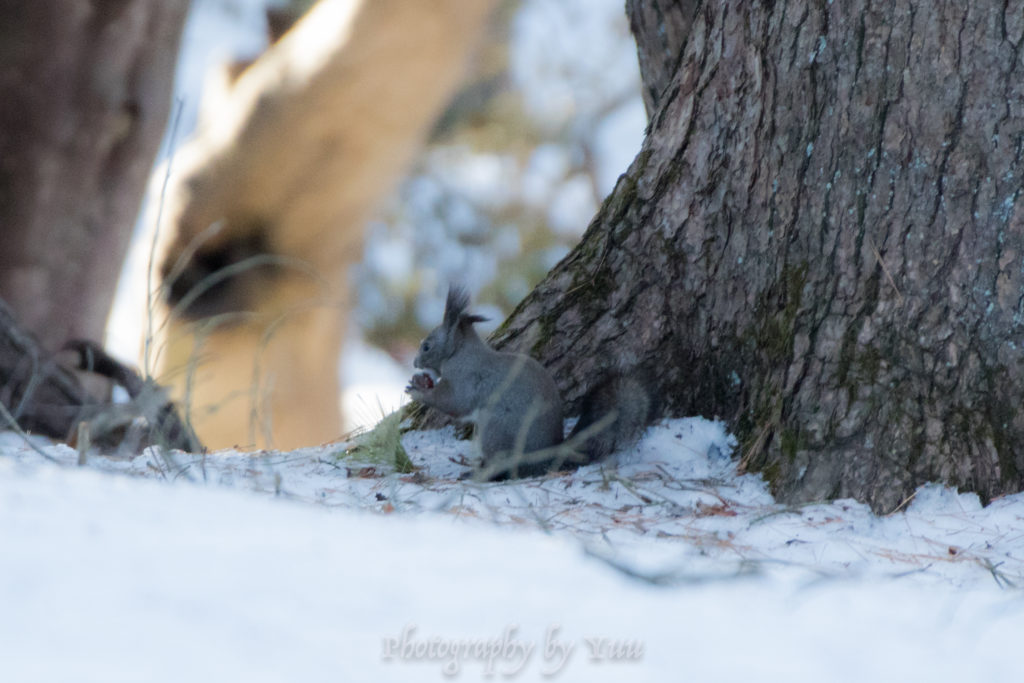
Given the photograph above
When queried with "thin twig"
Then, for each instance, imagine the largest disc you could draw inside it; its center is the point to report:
(885, 269)
(13, 425)
(172, 145)
(901, 505)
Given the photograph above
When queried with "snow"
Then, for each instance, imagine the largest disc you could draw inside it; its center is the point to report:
(312, 565)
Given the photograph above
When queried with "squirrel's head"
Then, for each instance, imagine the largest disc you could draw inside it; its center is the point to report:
(445, 340)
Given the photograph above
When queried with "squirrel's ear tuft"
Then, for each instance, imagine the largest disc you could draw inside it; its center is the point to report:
(457, 302)
(469, 319)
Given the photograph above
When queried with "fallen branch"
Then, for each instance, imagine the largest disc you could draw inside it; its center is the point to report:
(41, 396)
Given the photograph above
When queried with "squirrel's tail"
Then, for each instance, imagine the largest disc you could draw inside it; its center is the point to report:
(613, 416)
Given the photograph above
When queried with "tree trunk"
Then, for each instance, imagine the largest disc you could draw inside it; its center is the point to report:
(284, 173)
(819, 241)
(84, 96)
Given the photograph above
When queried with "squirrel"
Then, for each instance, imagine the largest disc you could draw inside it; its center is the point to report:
(515, 404)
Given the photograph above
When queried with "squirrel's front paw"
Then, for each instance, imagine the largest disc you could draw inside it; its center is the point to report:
(419, 384)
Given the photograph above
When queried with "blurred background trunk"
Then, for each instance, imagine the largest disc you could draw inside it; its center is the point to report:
(84, 100)
(267, 204)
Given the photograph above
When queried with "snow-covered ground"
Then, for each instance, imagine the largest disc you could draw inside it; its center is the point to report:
(663, 565)
(666, 565)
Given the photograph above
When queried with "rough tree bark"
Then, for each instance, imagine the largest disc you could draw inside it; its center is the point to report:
(821, 241)
(84, 97)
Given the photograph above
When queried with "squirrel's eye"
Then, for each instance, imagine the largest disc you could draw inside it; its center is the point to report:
(425, 346)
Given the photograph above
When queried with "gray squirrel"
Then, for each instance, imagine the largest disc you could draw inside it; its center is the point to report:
(515, 404)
